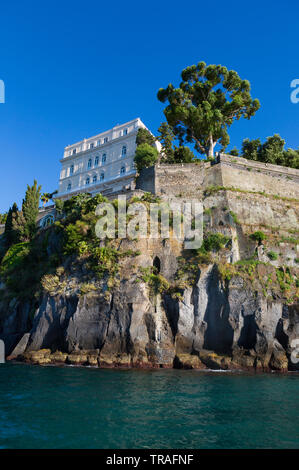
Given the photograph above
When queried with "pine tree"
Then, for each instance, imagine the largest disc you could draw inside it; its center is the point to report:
(144, 137)
(206, 103)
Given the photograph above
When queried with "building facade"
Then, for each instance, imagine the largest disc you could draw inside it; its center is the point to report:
(100, 164)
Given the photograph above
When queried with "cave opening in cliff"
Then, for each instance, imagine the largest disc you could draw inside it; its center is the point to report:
(157, 265)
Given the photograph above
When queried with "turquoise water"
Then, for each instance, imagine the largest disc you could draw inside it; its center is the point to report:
(68, 407)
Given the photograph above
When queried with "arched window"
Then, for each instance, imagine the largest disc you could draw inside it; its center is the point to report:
(104, 158)
(96, 161)
(87, 182)
(94, 179)
(89, 163)
(69, 186)
(47, 221)
(102, 177)
(122, 170)
(124, 151)
(71, 169)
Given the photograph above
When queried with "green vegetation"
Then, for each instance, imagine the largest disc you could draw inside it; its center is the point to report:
(294, 241)
(3, 218)
(9, 233)
(46, 197)
(263, 277)
(214, 189)
(234, 217)
(258, 236)
(30, 267)
(207, 102)
(213, 242)
(171, 153)
(146, 154)
(272, 151)
(191, 260)
(272, 255)
(156, 282)
(144, 137)
(24, 221)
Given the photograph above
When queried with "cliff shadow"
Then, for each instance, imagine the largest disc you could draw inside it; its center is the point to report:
(219, 333)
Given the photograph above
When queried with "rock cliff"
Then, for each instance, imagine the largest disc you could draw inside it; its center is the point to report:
(231, 306)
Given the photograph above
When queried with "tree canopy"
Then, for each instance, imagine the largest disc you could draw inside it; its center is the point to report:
(10, 236)
(46, 197)
(272, 151)
(24, 221)
(144, 137)
(145, 156)
(208, 100)
(170, 153)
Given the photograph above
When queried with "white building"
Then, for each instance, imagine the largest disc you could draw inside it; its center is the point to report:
(100, 164)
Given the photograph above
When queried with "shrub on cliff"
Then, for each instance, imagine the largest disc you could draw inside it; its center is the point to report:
(258, 236)
(213, 242)
(272, 255)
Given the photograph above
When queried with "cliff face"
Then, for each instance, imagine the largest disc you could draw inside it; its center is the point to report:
(229, 308)
(215, 323)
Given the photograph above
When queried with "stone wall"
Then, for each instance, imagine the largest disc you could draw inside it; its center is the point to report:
(192, 178)
(255, 176)
(173, 180)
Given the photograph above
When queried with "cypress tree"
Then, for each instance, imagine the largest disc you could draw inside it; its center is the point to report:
(9, 233)
(30, 208)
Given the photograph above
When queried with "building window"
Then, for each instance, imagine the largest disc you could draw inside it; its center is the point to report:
(104, 158)
(69, 186)
(124, 151)
(96, 161)
(102, 177)
(105, 140)
(74, 151)
(87, 182)
(94, 179)
(98, 142)
(89, 163)
(91, 146)
(72, 169)
(125, 131)
(122, 170)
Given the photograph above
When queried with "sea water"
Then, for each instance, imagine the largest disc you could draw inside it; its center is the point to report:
(77, 407)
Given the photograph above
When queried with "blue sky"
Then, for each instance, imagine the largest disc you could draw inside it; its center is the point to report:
(73, 69)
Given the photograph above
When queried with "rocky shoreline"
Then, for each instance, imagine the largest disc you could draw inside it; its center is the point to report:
(206, 360)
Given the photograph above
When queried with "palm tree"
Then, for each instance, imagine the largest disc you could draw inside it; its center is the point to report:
(46, 197)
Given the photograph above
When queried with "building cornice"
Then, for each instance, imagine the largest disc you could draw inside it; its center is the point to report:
(99, 147)
(102, 134)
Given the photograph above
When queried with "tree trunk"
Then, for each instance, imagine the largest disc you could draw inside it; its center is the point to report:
(211, 147)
